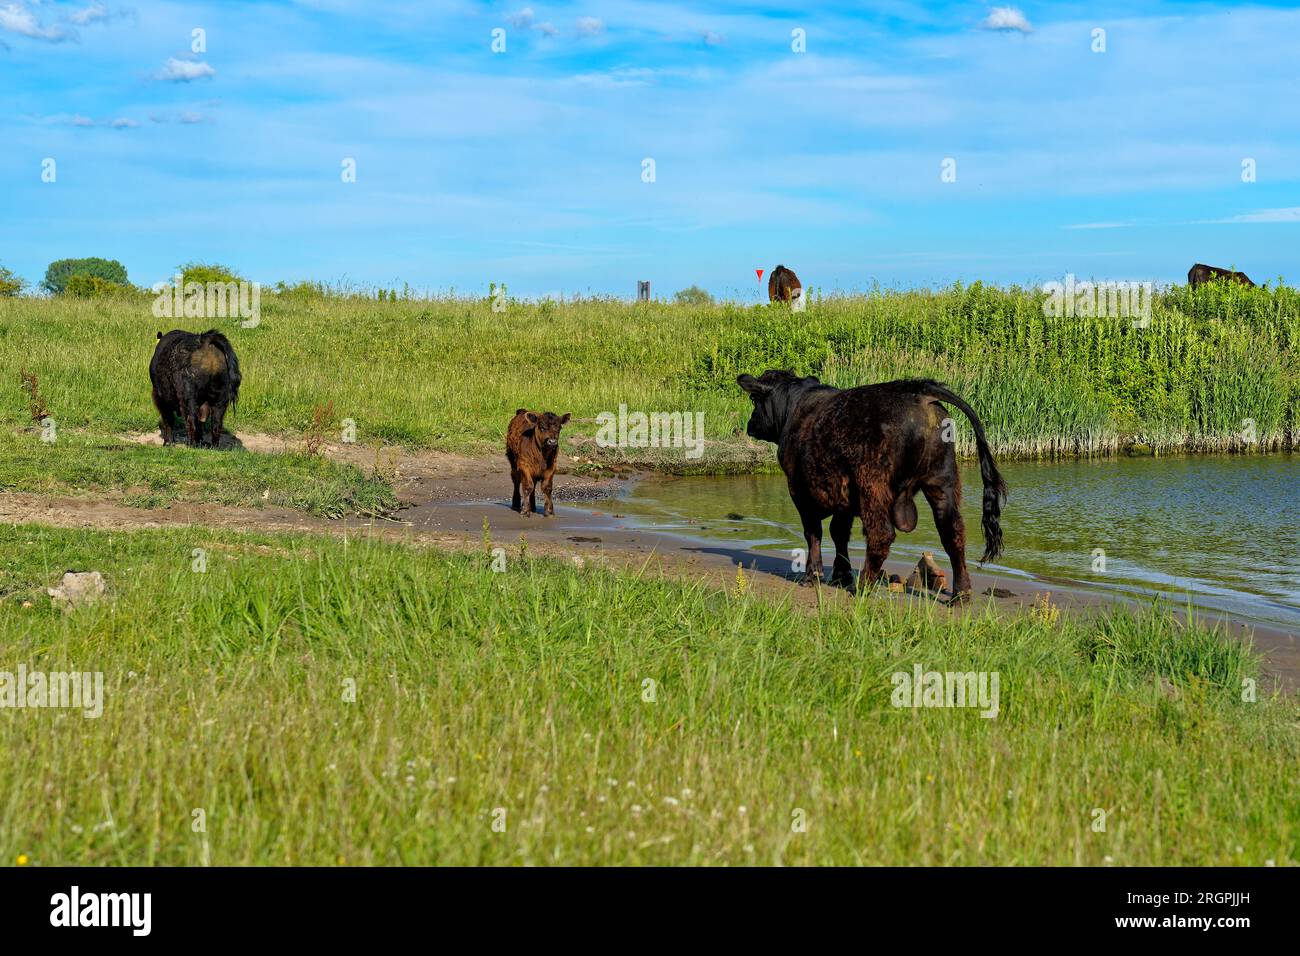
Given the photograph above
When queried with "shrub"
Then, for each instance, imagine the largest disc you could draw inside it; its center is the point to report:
(693, 295)
(82, 286)
(10, 284)
(304, 290)
(61, 272)
(205, 272)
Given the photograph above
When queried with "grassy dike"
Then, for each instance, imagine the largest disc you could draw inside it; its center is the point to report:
(449, 373)
(525, 691)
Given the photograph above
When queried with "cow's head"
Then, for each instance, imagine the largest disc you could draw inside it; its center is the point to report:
(774, 394)
(546, 427)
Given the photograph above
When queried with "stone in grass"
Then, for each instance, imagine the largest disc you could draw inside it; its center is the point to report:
(77, 589)
(927, 576)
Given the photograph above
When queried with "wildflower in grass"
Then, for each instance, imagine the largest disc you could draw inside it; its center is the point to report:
(22, 859)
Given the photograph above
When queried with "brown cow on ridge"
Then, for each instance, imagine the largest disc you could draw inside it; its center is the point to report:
(1200, 274)
(532, 444)
(783, 285)
(865, 453)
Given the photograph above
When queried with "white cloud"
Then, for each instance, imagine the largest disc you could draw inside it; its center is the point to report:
(183, 71)
(1100, 225)
(526, 19)
(713, 39)
(16, 18)
(590, 26)
(80, 120)
(1007, 19)
(88, 15)
(1282, 214)
(123, 123)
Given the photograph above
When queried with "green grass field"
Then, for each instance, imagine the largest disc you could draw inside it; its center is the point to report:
(322, 701)
(524, 692)
(449, 373)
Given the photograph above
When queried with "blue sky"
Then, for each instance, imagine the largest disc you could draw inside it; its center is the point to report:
(525, 167)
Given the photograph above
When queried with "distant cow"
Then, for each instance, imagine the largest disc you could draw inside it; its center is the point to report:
(1199, 274)
(195, 377)
(532, 445)
(864, 453)
(783, 285)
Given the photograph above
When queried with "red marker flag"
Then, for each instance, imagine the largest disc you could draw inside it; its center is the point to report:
(760, 274)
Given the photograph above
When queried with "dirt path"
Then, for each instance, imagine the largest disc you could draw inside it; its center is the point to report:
(449, 497)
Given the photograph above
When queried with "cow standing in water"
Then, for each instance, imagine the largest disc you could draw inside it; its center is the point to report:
(532, 446)
(864, 453)
(783, 285)
(1200, 274)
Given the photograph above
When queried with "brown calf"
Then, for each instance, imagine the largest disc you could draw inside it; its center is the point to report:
(783, 285)
(532, 445)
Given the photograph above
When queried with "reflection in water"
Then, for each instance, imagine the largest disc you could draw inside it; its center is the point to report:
(1224, 529)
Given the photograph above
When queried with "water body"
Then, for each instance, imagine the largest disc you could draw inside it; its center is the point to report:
(1222, 531)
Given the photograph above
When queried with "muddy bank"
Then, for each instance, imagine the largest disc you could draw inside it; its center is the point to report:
(422, 476)
(449, 497)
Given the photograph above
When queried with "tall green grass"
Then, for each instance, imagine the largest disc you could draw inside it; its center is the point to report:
(449, 373)
(326, 702)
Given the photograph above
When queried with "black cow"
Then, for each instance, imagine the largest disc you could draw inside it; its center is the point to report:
(196, 378)
(864, 453)
(1200, 274)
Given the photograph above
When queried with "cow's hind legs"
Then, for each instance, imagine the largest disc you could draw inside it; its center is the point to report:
(812, 535)
(841, 532)
(217, 421)
(878, 528)
(167, 414)
(952, 532)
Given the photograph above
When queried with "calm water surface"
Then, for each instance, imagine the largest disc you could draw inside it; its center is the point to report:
(1223, 530)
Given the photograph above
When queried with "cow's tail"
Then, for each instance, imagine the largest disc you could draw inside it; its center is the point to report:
(215, 338)
(995, 488)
